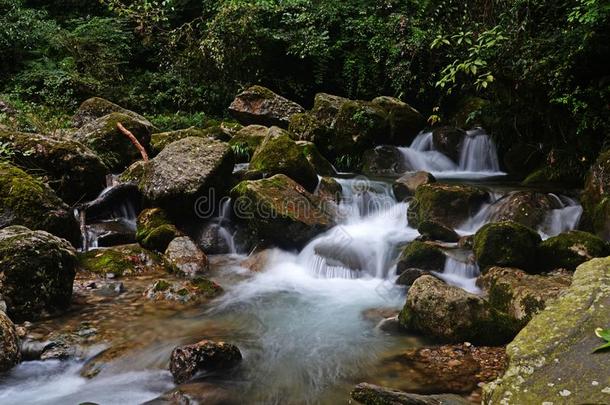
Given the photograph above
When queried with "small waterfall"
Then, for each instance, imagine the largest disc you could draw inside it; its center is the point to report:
(562, 219)
(217, 236)
(461, 274)
(478, 153)
(421, 155)
(362, 197)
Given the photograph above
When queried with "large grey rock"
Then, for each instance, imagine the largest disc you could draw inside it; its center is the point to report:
(259, 105)
(406, 185)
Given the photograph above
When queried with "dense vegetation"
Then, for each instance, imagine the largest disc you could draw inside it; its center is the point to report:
(539, 66)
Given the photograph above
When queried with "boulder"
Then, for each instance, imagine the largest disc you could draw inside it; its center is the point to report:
(184, 171)
(449, 313)
(596, 196)
(111, 145)
(96, 107)
(383, 161)
(72, 170)
(551, 360)
(111, 233)
(10, 351)
(369, 394)
(310, 127)
(280, 210)
(26, 201)
(422, 256)
(245, 142)
(329, 189)
(407, 184)
(206, 355)
(449, 204)
(408, 276)
(525, 207)
(279, 154)
(359, 125)
(215, 239)
(196, 290)
(186, 256)
(123, 261)
(160, 140)
(37, 270)
(154, 230)
(320, 164)
(114, 202)
(436, 231)
(506, 244)
(570, 249)
(259, 105)
(404, 121)
(448, 140)
(521, 295)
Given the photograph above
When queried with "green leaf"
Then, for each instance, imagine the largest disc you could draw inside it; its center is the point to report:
(603, 333)
(602, 347)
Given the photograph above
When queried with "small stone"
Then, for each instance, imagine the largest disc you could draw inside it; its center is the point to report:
(594, 383)
(564, 393)
(208, 355)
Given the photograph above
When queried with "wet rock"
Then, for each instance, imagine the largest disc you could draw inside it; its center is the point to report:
(325, 109)
(123, 261)
(449, 204)
(205, 355)
(247, 140)
(71, 169)
(448, 140)
(94, 365)
(214, 239)
(279, 154)
(310, 128)
(369, 394)
(160, 140)
(59, 349)
(184, 171)
(110, 144)
(186, 256)
(197, 290)
(280, 210)
(525, 207)
(466, 242)
(596, 196)
(10, 352)
(96, 107)
(518, 294)
(198, 392)
(112, 233)
(37, 271)
(112, 203)
(449, 313)
(109, 288)
(422, 256)
(383, 161)
(409, 275)
(436, 231)
(330, 190)
(259, 105)
(551, 360)
(570, 249)
(404, 121)
(406, 185)
(26, 201)
(320, 164)
(506, 244)
(154, 230)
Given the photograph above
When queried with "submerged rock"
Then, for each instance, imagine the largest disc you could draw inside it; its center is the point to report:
(154, 230)
(422, 256)
(551, 360)
(186, 256)
(122, 261)
(449, 204)
(570, 249)
(448, 140)
(596, 196)
(280, 210)
(10, 352)
(506, 244)
(26, 201)
(407, 185)
(198, 289)
(97, 107)
(259, 105)
(37, 271)
(369, 394)
(206, 355)
(437, 231)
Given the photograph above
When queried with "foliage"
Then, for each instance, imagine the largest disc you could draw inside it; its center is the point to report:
(605, 335)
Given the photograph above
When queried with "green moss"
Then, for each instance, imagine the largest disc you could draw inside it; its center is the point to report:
(262, 92)
(161, 285)
(421, 255)
(207, 287)
(126, 260)
(161, 140)
(154, 230)
(568, 250)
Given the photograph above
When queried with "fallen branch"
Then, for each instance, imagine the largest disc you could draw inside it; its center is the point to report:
(133, 140)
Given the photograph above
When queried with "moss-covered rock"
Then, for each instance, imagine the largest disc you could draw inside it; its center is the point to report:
(525, 207)
(383, 160)
(326, 107)
(596, 196)
(404, 121)
(10, 350)
(36, 272)
(449, 204)
(311, 128)
(26, 201)
(421, 255)
(506, 244)
(437, 231)
(281, 211)
(111, 145)
(551, 360)
(359, 125)
(569, 249)
(259, 105)
(160, 140)
(320, 164)
(96, 107)
(245, 142)
(521, 295)
(123, 261)
(406, 185)
(279, 154)
(448, 140)
(192, 291)
(73, 170)
(154, 230)
(184, 171)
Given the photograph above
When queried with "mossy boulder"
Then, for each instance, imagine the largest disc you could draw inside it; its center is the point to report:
(259, 105)
(279, 154)
(36, 271)
(97, 107)
(123, 261)
(281, 211)
(525, 207)
(311, 128)
(449, 204)
(552, 359)
(111, 145)
(451, 314)
(320, 164)
(73, 170)
(192, 291)
(404, 121)
(570, 249)
(596, 196)
(383, 160)
(436, 231)
(506, 244)
(326, 107)
(184, 171)
(521, 295)
(160, 140)
(10, 350)
(406, 186)
(27, 201)
(245, 142)
(448, 140)
(186, 256)
(154, 230)
(359, 125)
(421, 255)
